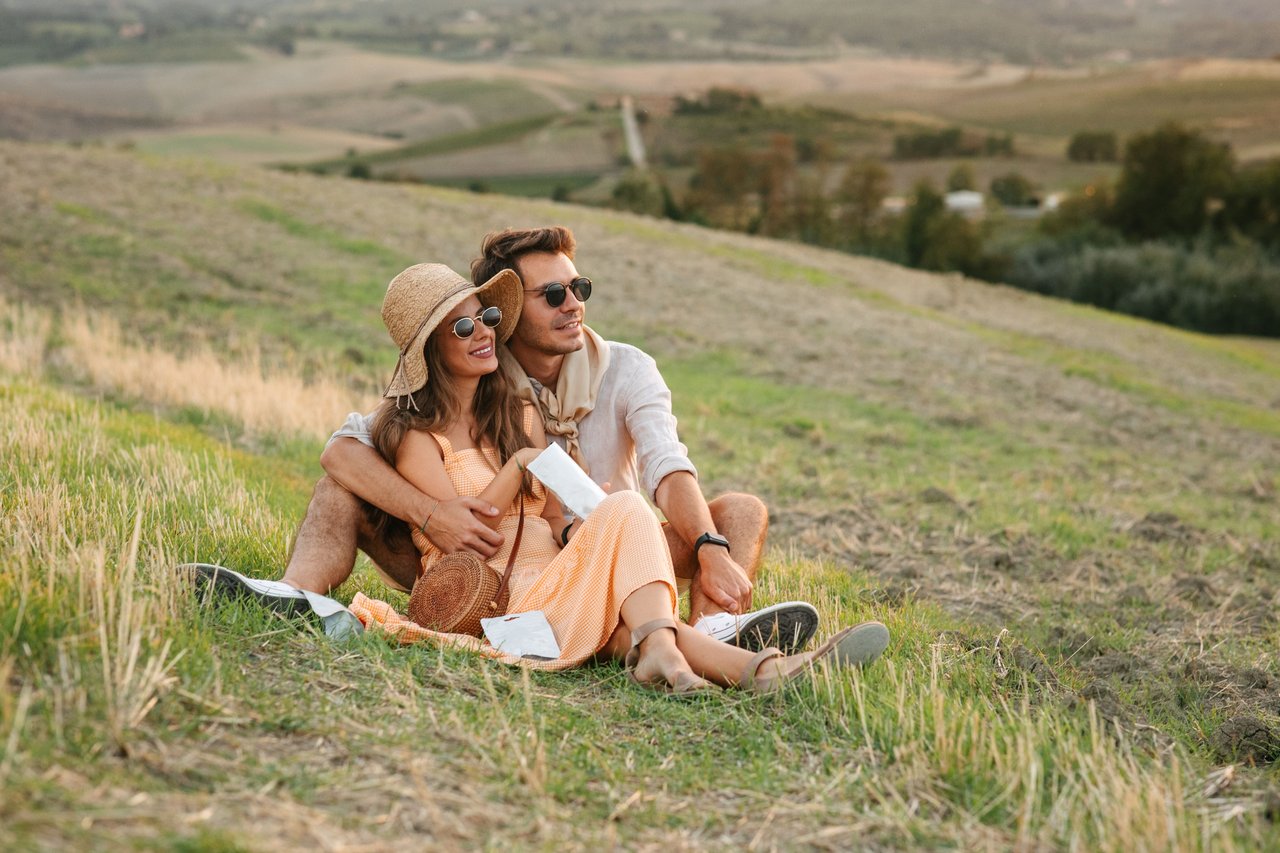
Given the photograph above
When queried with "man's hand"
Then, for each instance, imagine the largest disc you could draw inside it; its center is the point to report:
(723, 580)
(454, 527)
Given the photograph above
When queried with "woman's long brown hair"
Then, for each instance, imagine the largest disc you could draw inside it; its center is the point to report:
(498, 412)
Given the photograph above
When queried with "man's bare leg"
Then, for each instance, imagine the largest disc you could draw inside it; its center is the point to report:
(336, 524)
(743, 520)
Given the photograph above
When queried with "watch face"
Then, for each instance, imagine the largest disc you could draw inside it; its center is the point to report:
(710, 539)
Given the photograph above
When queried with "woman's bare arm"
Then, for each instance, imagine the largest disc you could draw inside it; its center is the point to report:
(553, 512)
(505, 485)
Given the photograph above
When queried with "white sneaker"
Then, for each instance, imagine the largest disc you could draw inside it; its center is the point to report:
(788, 626)
(338, 622)
(274, 595)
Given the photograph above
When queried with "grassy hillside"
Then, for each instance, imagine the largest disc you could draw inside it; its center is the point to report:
(1068, 520)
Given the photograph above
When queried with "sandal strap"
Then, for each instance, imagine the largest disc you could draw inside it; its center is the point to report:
(747, 681)
(639, 635)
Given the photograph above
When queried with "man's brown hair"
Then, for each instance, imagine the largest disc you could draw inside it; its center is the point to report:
(502, 250)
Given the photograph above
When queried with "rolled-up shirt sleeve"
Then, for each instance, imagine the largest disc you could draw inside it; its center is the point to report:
(356, 426)
(652, 426)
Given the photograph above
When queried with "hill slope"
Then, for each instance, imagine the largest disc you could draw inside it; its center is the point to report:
(960, 459)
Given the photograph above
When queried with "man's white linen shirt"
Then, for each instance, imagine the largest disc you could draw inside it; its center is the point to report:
(628, 440)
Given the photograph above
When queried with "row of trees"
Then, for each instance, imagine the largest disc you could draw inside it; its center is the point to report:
(1184, 236)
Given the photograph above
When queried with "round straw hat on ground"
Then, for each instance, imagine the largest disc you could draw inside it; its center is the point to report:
(419, 298)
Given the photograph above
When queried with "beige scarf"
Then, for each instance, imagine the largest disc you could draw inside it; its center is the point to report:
(575, 392)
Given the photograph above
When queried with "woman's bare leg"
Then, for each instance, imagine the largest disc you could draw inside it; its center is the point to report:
(714, 660)
(660, 658)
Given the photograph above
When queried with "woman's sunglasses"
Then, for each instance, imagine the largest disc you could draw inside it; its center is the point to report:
(556, 290)
(465, 327)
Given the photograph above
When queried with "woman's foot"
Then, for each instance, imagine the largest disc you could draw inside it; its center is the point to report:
(859, 645)
(655, 662)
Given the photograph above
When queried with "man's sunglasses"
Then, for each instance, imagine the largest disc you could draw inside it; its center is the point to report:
(556, 290)
(465, 327)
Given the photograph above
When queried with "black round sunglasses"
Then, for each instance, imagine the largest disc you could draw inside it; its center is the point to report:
(556, 290)
(465, 327)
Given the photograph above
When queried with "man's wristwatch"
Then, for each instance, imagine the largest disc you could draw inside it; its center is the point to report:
(710, 539)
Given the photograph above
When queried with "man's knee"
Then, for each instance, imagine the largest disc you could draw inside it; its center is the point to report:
(331, 500)
(742, 508)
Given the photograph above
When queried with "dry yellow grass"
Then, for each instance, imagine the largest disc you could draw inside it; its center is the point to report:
(92, 347)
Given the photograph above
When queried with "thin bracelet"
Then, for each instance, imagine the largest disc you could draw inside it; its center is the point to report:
(564, 535)
(423, 527)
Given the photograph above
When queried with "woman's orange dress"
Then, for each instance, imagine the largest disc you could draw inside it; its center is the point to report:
(619, 548)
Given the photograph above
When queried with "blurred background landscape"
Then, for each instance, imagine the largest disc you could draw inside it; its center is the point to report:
(1117, 153)
(851, 233)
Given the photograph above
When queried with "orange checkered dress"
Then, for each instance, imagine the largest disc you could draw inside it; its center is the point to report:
(619, 548)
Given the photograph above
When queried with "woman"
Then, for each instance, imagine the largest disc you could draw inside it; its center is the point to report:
(451, 425)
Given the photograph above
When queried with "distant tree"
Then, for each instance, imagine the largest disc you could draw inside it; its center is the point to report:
(1170, 177)
(811, 220)
(638, 192)
(722, 180)
(928, 144)
(1084, 216)
(1253, 204)
(360, 170)
(778, 186)
(718, 100)
(560, 192)
(961, 178)
(950, 142)
(998, 146)
(859, 198)
(935, 238)
(1013, 189)
(923, 209)
(1093, 146)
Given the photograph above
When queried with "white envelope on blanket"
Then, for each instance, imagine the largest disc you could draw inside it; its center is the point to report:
(525, 635)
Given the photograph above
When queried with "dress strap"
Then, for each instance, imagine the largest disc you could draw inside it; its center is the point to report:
(443, 442)
(530, 412)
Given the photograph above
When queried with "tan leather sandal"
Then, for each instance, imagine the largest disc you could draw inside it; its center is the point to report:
(855, 646)
(686, 684)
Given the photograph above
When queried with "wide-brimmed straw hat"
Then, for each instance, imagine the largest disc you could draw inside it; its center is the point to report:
(419, 299)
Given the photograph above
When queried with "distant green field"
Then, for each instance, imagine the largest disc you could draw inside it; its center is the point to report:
(489, 101)
(207, 46)
(531, 186)
(491, 135)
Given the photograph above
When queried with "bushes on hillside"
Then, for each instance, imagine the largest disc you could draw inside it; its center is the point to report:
(950, 142)
(1093, 146)
(1233, 289)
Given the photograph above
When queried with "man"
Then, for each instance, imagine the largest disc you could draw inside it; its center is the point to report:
(606, 404)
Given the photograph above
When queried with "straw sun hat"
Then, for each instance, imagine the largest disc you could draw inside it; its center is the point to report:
(419, 299)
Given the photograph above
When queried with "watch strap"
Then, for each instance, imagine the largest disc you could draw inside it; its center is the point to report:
(710, 538)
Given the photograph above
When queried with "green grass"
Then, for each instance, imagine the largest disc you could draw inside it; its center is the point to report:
(568, 750)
